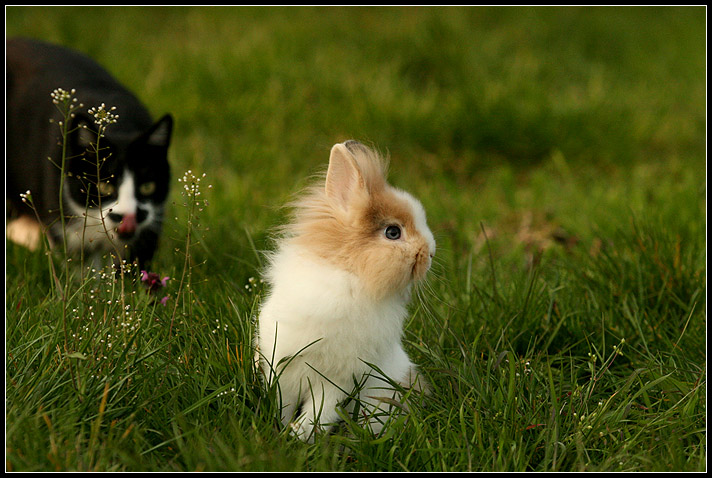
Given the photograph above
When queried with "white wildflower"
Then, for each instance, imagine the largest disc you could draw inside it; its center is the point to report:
(102, 116)
(61, 95)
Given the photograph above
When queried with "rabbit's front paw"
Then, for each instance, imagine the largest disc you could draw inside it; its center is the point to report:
(304, 433)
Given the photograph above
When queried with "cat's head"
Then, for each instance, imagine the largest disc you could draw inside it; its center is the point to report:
(117, 183)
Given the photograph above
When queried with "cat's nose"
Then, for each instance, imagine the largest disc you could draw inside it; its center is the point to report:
(127, 224)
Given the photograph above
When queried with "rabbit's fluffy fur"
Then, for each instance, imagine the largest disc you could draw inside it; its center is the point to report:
(340, 281)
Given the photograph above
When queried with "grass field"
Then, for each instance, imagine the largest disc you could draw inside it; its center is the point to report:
(561, 156)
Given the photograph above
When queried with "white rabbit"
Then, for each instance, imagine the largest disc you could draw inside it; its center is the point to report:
(340, 282)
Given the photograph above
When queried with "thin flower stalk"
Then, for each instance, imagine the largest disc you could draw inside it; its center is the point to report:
(191, 191)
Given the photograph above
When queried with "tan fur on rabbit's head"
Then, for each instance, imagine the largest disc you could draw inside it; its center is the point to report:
(358, 222)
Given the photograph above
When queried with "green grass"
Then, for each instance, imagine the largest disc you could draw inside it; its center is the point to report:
(560, 154)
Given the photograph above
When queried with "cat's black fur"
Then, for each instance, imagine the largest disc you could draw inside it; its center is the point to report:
(134, 143)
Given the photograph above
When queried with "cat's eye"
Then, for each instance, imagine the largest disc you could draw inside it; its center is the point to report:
(393, 232)
(146, 189)
(106, 189)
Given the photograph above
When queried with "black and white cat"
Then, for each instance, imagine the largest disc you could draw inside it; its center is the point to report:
(116, 208)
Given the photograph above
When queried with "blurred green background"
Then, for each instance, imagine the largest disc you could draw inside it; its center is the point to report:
(463, 98)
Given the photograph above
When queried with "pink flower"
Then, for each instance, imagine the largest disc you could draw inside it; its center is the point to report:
(154, 283)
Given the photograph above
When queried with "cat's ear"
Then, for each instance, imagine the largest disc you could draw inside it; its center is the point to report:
(160, 132)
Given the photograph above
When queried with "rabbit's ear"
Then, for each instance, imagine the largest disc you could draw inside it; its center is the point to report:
(343, 178)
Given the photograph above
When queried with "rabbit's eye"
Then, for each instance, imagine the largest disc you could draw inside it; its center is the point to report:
(393, 232)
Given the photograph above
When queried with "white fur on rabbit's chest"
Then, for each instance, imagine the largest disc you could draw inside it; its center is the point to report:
(322, 313)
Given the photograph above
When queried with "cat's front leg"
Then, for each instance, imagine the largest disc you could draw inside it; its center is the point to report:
(25, 231)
